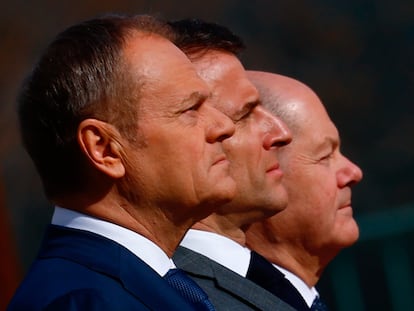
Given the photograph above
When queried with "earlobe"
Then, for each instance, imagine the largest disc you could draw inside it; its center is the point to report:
(97, 141)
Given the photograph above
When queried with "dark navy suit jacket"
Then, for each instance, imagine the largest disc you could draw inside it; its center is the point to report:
(79, 270)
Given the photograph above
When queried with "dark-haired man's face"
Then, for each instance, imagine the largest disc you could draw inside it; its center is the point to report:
(180, 162)
(252, 149)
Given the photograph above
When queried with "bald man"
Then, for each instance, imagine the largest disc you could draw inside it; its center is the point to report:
(318, 222)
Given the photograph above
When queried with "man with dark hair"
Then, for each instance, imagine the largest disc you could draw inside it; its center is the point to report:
(129, 149)
(317, 223)
(213, 252)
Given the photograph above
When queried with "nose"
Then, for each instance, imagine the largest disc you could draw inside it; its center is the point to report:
(278, 133)
(350, 174)
(219, 126)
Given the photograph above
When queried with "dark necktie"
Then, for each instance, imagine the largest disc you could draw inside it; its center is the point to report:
(318, 305)
(188, 289)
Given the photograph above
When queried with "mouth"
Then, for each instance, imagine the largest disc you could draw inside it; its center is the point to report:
(346, 209)
(221, 160)
(274, 169)
(346, 205)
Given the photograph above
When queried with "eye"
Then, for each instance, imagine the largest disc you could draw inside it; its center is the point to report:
(197, 105)
(246, 113)
(193, 110)
(326, 157)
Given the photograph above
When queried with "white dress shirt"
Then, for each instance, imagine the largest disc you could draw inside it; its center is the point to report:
(307, 293)
(221, 249)
(142, 247)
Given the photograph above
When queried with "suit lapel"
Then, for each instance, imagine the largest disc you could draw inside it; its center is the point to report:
(263, 273)
(201, 266)
(108, 257)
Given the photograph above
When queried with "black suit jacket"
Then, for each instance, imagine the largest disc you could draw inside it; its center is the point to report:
(263, 273)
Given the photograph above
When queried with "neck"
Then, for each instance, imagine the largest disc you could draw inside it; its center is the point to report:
(223, 225)
(148, 221)
(306, 261)
(303, 265)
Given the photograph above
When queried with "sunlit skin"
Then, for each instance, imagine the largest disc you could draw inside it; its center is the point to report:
(318, 221)
(177, 172)
(252, 150)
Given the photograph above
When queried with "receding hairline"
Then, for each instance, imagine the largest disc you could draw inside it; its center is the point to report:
(283, 95)
(272, 97)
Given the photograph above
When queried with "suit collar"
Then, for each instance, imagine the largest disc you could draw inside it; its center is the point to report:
(263, 273)
(107, 257)
(145, 249)
(211, 245)
(199, 265)
(309, 294)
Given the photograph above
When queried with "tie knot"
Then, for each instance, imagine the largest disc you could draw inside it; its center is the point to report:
(180, 281)
(318, 305)
(189, 289)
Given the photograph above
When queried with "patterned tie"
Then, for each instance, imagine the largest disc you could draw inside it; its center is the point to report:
(318, 305)
(188, 289)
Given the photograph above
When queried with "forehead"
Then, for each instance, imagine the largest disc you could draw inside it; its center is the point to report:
(162, 68)
(153, 56)
(227, 79)
(221, 70)
(314, 127)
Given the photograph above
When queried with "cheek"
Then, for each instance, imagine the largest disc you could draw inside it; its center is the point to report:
(241, 151)
(316, 194)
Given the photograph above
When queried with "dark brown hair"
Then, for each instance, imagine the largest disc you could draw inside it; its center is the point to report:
(196, 37)
(82, 74)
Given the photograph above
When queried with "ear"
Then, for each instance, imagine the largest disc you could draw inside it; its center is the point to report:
(97, 140)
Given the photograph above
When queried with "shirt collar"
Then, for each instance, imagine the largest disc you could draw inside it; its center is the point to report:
(308, 293)
(142, 247)
(219, 248)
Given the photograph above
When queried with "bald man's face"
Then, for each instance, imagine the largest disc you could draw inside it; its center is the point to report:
(253, 149)
(318, 179)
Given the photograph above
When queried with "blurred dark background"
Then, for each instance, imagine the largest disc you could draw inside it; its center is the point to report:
(356, 54)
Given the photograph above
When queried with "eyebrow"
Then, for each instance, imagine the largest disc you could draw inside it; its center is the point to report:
(195, 97)
(328, 141)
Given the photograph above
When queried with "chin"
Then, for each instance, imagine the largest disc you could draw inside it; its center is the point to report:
(350, 236)
(225, 193)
